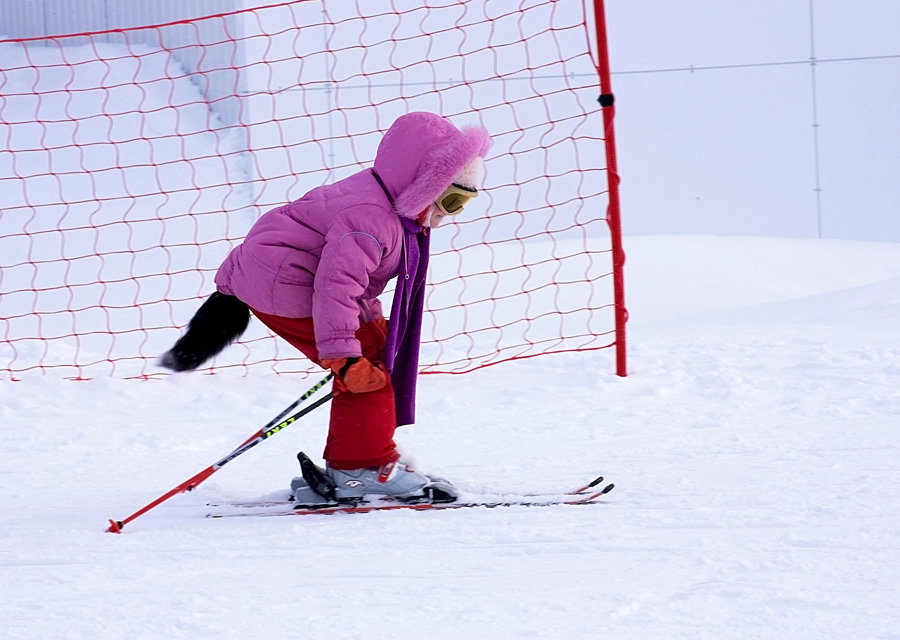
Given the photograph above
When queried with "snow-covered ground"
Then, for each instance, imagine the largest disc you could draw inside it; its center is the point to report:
(754, 446)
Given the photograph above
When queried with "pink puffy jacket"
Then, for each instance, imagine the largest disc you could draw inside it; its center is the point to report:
(331, 253)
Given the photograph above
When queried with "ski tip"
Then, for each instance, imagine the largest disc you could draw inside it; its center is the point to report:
(607, 489)
(596, 481)
(114, 527)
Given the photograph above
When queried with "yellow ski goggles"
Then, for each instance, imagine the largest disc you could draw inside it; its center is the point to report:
(455, 198)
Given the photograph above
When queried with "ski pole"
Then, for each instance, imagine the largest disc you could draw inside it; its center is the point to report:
(274, 426)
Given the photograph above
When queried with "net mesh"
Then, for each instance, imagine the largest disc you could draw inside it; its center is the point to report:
(132, 161)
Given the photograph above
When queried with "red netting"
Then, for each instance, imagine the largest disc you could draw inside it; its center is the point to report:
(132, 161)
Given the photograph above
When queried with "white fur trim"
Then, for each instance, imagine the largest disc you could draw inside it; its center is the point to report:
(426, 221)
(471, 175)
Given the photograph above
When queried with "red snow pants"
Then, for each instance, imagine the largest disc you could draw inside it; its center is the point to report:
(361, 430)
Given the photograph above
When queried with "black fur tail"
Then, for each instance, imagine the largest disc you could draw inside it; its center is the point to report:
(218, 322)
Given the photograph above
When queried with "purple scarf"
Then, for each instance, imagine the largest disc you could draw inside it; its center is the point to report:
(401, 349)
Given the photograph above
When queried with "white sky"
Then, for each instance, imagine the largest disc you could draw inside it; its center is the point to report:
(732, 151)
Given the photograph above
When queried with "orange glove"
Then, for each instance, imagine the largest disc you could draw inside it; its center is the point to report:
(357, 375)
(382, 324)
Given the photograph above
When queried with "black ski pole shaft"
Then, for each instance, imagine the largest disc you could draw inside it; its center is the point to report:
(274, 426)
(262, 434)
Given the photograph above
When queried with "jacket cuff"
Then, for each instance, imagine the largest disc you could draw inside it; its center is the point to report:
(346, 346)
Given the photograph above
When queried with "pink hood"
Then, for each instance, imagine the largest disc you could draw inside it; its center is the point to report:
(421, 154)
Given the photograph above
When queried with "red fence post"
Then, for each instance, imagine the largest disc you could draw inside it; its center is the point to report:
(607, 102)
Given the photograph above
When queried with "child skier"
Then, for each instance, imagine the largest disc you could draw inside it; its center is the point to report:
(312, 270)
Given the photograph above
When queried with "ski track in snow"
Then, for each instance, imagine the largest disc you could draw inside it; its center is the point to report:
(753, 446)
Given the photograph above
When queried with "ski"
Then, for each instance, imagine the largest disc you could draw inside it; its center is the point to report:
(272, 508)
(593, 483)
(284, 499)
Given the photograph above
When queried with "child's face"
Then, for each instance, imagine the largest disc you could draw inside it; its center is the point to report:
(431, 216)
(437, 216)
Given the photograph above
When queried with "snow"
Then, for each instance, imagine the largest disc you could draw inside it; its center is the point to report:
(753, 446)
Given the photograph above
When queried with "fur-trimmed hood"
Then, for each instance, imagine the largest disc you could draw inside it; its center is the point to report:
(421, 155)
